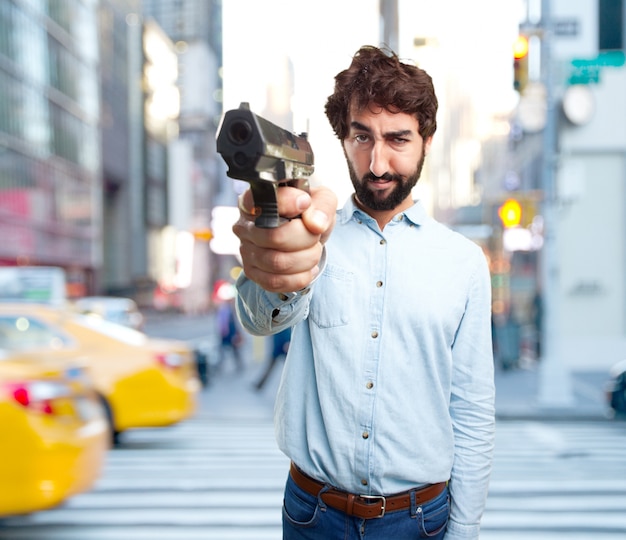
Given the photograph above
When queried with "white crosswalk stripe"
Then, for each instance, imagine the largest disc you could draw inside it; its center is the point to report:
(557, 481)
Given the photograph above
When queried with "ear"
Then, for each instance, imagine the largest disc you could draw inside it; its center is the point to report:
(427, 144)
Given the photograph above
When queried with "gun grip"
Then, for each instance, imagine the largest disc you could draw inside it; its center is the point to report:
(264, 195)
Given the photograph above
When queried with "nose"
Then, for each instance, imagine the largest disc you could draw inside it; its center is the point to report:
(379, 162)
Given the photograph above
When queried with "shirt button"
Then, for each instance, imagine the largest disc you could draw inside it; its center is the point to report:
(374, 334)
(382, 242)
(369, 385)
(366, 435)
(363, 482)
(379, 283)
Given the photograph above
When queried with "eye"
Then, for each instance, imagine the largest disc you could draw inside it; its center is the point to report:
(400, 140)
(361, 138)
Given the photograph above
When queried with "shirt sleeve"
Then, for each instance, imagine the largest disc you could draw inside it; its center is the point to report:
(472, 409)
(263, 313)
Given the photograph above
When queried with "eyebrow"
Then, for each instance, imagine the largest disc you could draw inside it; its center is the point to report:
(388, 135)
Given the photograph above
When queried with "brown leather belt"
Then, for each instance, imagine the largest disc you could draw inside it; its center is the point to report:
(364, 506)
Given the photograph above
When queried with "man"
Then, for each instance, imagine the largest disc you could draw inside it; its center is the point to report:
(386, 403)
(230, 335)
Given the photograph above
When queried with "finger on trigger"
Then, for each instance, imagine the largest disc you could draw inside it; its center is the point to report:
(254, 211)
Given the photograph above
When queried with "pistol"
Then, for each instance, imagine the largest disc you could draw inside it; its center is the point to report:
(265, 155)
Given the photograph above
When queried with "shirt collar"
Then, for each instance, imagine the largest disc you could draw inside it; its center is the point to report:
(416, 214)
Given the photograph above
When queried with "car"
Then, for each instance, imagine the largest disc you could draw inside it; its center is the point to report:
(116, 309)
(54, 437)
(141, 381)
(616, 389)
(33, 284)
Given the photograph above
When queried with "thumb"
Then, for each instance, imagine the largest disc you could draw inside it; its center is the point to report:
(319, 217)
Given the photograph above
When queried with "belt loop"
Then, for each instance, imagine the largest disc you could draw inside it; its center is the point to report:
(350, 504)
(413, 505)
(320, 501)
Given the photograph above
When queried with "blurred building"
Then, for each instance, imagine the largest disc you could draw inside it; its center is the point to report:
(589, 86)
(197, 180)
(140, 106)
(50, 163)
(84, 175)
(124, 266)
(105, 170)
(564, 159)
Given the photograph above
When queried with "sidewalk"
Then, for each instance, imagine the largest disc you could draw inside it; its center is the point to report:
(232, 395)
(523, 393)
(520, 392)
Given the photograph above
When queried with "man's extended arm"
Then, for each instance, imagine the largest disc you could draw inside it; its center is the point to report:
(281, 263)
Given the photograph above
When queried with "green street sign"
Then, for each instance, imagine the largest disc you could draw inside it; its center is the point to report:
(587, 71)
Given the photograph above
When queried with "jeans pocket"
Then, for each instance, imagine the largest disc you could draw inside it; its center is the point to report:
(300, 509)
(433, 516)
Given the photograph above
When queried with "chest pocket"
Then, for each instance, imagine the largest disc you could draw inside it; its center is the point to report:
(332, 301)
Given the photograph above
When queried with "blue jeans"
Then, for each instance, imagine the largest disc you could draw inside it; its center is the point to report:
(306, 517)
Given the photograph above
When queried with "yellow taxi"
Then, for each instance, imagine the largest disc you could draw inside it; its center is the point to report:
(53, 436)
(142, 381)
(123, 311)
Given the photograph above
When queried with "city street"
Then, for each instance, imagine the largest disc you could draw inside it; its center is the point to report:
(220, 476)
(453, 171)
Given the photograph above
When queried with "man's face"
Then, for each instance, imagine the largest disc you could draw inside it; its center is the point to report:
(385, 154)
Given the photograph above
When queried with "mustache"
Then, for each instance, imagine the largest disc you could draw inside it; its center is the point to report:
(388, 177)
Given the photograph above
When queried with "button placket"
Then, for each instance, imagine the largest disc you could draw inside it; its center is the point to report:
(376, 279)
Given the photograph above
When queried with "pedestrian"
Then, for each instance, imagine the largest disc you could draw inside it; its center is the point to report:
(386, 401)
(230, 335)
(537, 321)
(280, 346)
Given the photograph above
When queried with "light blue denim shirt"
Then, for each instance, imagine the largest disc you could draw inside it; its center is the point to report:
(388, 382)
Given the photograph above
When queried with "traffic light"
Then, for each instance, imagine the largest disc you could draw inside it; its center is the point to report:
(510, 213)
(520, 63)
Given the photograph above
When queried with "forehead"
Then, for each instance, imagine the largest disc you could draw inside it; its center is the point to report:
(377, 118)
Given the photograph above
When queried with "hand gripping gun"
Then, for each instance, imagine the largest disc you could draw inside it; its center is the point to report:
(265, 155)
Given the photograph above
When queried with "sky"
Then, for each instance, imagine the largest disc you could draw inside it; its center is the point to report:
(469, 42)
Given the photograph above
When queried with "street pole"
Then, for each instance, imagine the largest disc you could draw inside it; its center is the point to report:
(555, 385)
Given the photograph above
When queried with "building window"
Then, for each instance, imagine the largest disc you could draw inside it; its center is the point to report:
(611, 25)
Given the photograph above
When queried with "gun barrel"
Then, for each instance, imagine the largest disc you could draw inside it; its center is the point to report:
(254, 147)
(239, 131)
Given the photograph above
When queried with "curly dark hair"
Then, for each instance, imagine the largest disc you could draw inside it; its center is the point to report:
(378, 77)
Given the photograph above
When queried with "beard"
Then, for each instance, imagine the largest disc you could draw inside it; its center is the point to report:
(377, 200)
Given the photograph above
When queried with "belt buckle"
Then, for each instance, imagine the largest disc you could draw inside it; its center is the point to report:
(382, 500)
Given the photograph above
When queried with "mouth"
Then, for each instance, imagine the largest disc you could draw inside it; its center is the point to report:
(380, 183)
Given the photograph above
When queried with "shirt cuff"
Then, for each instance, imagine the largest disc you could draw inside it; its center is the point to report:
(459, 531)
